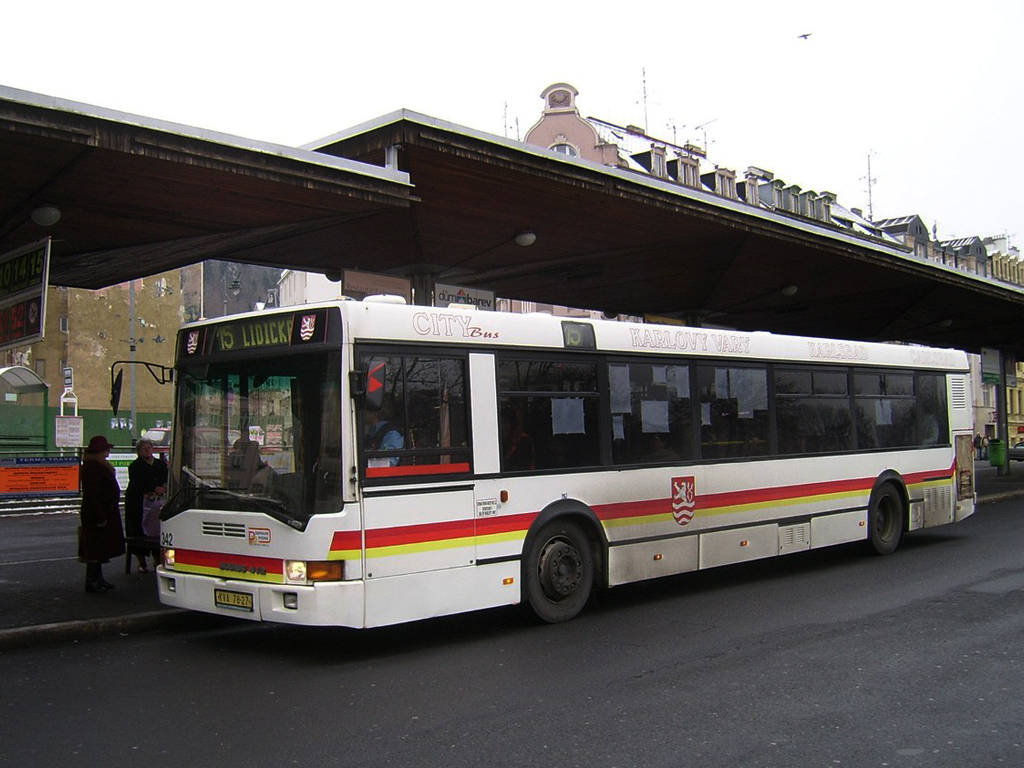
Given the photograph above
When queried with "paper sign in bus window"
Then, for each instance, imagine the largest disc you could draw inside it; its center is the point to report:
(618, 381)
(567, 416)
(654, 416)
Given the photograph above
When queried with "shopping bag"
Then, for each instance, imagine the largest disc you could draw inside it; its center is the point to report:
(151, 506)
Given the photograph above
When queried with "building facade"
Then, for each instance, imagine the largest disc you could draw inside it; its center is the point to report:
(89, 333)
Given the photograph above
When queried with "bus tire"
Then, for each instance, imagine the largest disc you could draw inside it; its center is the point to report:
(885, 520)
(558, 572)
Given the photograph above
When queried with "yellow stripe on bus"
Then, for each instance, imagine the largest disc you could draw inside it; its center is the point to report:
(425, 546)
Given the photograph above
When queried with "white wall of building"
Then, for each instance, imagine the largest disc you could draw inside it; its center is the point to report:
(307, 288)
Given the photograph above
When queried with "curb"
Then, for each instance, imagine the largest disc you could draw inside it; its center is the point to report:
(1004, 496)
(86, 629)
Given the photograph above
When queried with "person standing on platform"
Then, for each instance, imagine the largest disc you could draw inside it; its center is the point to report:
(101, 536)
(147, 476)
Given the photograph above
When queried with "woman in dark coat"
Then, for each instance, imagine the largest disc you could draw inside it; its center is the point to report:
(102, 536)
(146, 475)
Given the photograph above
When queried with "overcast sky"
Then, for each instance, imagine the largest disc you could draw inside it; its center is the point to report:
(930, 91)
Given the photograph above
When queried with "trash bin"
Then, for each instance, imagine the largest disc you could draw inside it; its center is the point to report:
(996, 453)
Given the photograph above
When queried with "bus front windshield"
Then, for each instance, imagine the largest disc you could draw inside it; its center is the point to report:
(260, 435)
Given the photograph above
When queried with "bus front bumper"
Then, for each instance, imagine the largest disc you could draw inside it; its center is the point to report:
(335, 603)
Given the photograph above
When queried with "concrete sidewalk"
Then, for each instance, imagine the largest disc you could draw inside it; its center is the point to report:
(42, 596)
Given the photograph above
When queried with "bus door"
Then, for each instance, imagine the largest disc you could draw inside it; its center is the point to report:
(416, 463)
(418, 530)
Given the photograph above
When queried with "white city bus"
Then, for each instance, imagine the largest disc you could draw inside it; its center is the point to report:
(367, 463)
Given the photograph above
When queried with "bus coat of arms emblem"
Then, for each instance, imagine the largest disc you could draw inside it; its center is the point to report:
(684, 498)
(192, 342)
(307, 327)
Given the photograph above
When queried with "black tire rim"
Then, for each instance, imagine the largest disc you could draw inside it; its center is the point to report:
(886, 519)
(560, 568)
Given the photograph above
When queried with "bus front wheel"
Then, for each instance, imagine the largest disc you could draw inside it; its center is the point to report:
(559, 571)
(885, 520)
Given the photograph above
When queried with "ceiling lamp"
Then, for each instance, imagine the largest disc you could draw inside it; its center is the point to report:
(46, 215)
(526, 238)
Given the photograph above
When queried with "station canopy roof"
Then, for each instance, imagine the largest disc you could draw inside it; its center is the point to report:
(139, 197)
(22, 380)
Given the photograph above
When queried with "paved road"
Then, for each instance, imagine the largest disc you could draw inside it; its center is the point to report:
(824, 659)
(41, 583)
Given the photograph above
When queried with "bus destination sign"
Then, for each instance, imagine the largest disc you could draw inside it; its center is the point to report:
(251, 334)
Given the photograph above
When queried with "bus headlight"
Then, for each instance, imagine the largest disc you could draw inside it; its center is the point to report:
(168, 558)
(309, 572)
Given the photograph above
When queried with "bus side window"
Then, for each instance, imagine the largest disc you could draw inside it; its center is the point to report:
(422, 418)
(383, 432)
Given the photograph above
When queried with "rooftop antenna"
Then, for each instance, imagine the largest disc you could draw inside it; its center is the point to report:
(672, 124)
(871, 183)
(643, 75)
(703, 128)
(504, 119)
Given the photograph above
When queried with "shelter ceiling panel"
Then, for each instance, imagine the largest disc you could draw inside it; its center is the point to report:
(132, 189)
(468, 221)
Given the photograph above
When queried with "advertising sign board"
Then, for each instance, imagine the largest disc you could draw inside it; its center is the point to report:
(29, 476)
(990, 365)
(23, 279)
(69, 432)
(445, 295)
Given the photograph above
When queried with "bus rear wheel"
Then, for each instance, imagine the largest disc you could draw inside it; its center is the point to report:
(559, 571)
(885, 520)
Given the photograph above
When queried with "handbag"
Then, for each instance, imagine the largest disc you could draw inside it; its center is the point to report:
(151, 506)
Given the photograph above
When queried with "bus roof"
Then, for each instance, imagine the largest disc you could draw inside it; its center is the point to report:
(370, 320)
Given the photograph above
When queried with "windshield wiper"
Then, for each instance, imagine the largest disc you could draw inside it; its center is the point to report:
(196, 479)
(190, 495)
(267, 504)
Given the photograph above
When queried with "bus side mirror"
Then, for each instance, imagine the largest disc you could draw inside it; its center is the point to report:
(115, 391)
(369, 385)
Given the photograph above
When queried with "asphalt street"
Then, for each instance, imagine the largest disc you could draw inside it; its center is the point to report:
(826, 658)
(41, 583)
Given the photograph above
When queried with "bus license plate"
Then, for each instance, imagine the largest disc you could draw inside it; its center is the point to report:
(238, 601)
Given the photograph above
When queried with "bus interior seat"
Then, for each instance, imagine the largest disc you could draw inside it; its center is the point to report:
(242, 465)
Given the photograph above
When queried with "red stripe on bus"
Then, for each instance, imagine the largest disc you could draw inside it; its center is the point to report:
(216, 559)
(938, 474)
(632, 509)
(418, 534)
(489, 526)
(418, 469)
(346, 540)
(762, 495)
(486, 526)
(781, 492)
